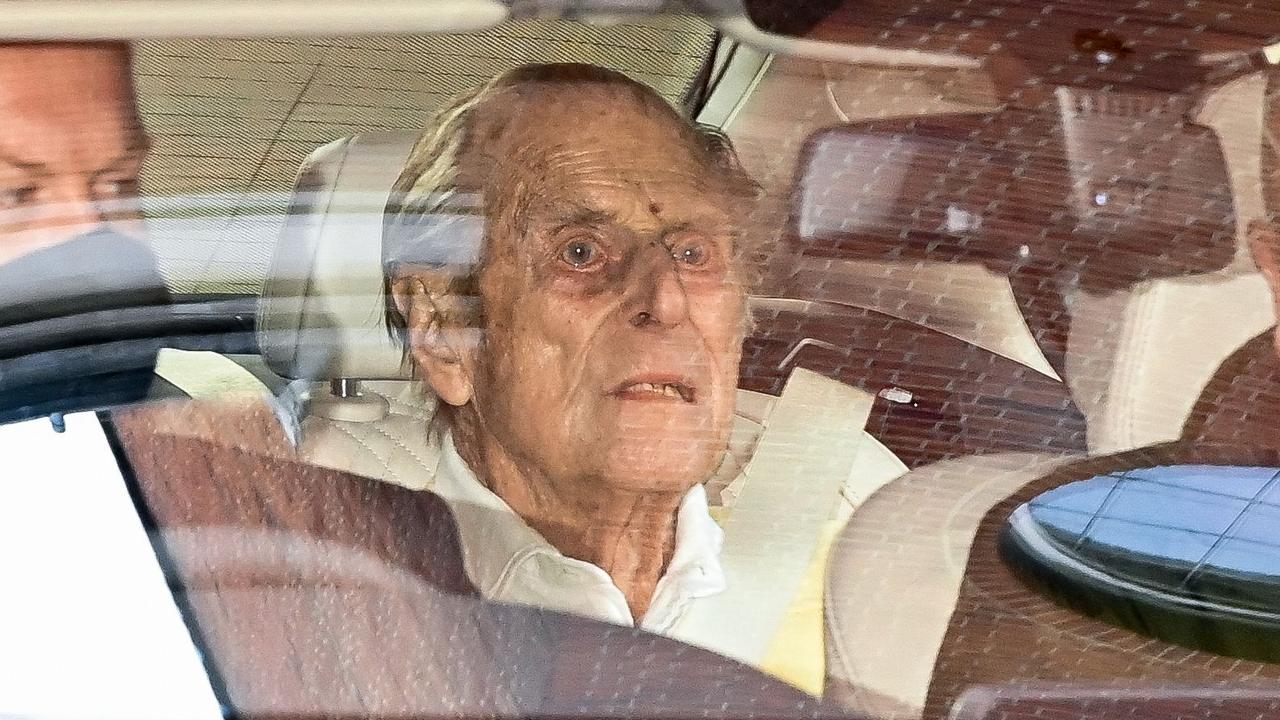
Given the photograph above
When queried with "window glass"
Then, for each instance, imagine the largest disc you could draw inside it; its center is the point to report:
(232, 120)
(645, 364)
(1162, 548)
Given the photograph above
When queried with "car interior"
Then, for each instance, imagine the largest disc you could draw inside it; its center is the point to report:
(1018, 230)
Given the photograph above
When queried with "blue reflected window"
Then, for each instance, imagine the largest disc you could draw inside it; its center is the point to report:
(1186, 553)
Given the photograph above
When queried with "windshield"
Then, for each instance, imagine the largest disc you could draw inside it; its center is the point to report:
(837, 359)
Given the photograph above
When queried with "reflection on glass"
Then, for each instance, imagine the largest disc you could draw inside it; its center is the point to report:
(1162, 550)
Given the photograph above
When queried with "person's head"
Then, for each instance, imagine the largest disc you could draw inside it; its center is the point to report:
(563, 265)
(71, 144)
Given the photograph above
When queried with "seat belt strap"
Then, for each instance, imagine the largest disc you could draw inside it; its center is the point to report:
(791, 488)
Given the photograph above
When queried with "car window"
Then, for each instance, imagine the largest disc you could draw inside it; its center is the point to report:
(817, 359)
(232, 120)
(1187, 535)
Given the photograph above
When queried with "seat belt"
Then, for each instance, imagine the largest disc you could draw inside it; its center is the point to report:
(791, 488)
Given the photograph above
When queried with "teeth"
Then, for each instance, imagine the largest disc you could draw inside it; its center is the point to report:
(666, 389)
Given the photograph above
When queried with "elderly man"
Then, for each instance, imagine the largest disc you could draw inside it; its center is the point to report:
(71, 150)
(564, 265)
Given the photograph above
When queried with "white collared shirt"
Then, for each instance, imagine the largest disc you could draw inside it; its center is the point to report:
(509, 561)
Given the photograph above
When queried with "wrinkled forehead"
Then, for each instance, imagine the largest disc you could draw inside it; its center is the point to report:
(592, 149)
(562, 154)
(78, 75)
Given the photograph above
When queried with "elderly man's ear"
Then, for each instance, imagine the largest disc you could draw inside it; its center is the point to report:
(439, 347)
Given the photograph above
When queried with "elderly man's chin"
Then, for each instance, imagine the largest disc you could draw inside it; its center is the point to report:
(665, 455)
(664, 466)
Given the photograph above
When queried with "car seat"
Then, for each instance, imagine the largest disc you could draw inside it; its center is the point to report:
(321, 316)
(1139, 356)
(1065, 211)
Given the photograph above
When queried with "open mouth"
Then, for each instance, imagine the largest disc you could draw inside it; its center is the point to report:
(657, 390)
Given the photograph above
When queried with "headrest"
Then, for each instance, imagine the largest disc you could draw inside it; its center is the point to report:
(1137, 360)
(321, 316)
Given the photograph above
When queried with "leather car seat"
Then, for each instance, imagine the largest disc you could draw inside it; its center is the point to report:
(922, 610)
(924, 220)
(976, 208)
(1141, 355)
(936, 396)
(895, 573)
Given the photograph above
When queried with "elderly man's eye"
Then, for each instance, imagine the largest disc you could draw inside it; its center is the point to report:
(692, 254)
(581, 253)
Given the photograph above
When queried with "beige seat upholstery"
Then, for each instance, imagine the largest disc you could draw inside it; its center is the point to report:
(321, 320)
(394, 448)
(895, 573)
(1138, 359)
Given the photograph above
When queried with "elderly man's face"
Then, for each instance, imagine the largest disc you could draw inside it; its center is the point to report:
(614, 312)
(71, 146)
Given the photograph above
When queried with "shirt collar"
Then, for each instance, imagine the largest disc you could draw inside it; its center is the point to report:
(494, 538)
(695, 570)
(511, 562)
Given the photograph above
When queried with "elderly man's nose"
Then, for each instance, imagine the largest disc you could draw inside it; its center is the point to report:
(661, 299)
